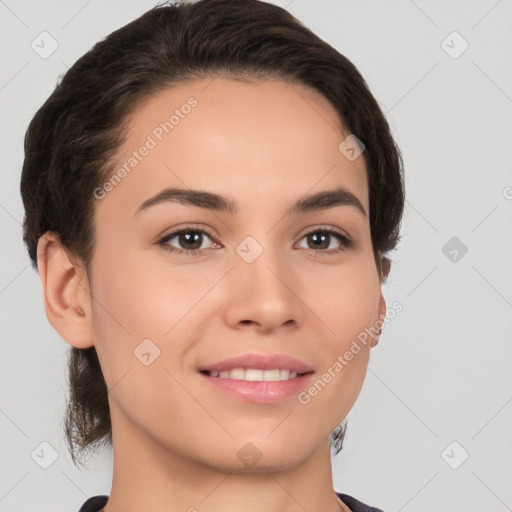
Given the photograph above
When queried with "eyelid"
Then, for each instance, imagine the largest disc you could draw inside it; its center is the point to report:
(345, 240)
(327, 228)
(163, 239)
(187, 227)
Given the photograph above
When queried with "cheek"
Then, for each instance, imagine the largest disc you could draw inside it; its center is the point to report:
(347, 306)
(135, 297)
(345, 300)
(343, 348)
(126, 309)
(136, 301)
(132, 314)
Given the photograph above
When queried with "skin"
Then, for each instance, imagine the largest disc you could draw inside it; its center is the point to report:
(175, 437)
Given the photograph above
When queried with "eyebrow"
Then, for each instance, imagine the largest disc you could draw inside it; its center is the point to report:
(211, 201)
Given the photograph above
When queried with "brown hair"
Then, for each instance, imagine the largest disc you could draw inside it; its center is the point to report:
(72, 140)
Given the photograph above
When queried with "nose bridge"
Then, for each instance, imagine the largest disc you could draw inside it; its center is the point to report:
(264, 285)
(262, 267)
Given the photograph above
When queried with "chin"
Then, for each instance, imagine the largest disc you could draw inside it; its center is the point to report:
(257, 454)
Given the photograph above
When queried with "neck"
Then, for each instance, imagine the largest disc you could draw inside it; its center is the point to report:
(150, 476)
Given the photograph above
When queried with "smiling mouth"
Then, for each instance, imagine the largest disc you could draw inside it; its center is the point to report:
(255, 375)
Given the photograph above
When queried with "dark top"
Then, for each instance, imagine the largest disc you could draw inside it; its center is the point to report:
(96, 503)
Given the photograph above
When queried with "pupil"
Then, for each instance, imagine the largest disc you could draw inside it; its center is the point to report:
(188, 238)
(322, 238)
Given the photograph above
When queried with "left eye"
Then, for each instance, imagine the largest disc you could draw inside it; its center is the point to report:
(320, 237)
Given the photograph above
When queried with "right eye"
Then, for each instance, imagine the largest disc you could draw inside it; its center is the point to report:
(186, 236)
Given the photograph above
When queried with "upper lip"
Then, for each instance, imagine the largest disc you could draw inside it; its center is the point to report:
(260, 362)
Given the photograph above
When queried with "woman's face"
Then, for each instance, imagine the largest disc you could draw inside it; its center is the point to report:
(261, 281)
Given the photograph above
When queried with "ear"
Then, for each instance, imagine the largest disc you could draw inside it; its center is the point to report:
(384, 268)
(67, 299)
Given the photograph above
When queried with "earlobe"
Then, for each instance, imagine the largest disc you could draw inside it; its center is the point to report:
(382, 308)
(67, 299)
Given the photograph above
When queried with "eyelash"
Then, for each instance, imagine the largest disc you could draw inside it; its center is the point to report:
(345, 242)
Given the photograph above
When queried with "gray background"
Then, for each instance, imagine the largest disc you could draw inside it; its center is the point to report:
(441, 372)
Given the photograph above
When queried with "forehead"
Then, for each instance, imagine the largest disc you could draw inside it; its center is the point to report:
(218, 133)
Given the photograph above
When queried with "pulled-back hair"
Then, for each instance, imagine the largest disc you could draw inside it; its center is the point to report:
(71, 143)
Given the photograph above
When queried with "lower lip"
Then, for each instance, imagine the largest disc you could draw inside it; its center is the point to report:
(260, 392)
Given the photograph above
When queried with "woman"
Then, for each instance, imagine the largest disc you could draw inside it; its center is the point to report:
(209, 196)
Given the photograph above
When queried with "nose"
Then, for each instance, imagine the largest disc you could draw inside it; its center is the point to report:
(264, 295)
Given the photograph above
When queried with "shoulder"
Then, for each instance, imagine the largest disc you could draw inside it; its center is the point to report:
(356, 505)
(94, 504)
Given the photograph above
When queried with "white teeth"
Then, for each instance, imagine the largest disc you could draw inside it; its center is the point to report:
(236, 373)
(284, 374)
(272, 375)
(252, 374)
